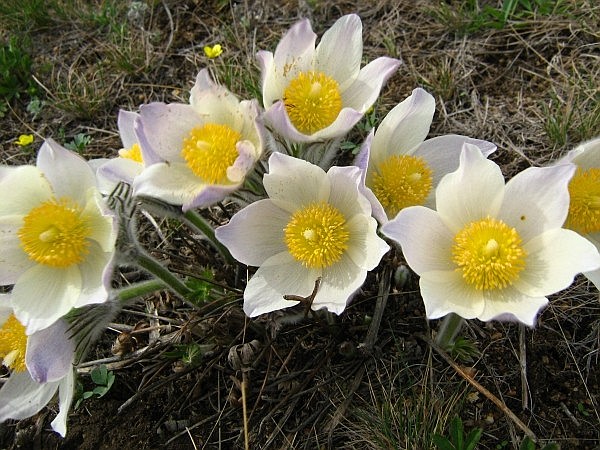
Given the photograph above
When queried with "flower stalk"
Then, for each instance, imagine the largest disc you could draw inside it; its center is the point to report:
(449, 329)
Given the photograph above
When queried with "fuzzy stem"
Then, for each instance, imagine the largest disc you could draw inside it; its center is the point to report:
(151, 265)
(198, 222)
(125, 294)
(449, 328)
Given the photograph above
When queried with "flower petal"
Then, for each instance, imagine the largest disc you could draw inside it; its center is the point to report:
(339, 282)
(255, 233)
(44, 294)
(403, 128)
(339, 53)
(125, 121)
(537, 199)
(365, 248)
(553, 259)
(116, 170)
(27, 187)
(512, 305)
(21, 397)
(365, 89)
(425, 239)
(587, 155)
(278, 276)
(446, 292)
(173, 183)
(472, 192)
(292, 183)
(344, 195)
(94, 289)
(66, 390)
(68, 173)
(50, 353)
(13, 260)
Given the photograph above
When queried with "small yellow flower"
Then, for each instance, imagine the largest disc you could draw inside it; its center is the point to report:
(24, 140)
(214, 51)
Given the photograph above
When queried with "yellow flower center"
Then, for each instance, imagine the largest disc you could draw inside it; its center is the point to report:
(312, 101)
(584, 208)
(209, 150)
(134, 153)
(489, 254)
(13, 342)
(317, 235)
(401, 181)
(55, 234)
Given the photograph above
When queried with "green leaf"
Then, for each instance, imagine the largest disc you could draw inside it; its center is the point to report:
(456, 432)
(527, 444)
(98, 375)
(442, 443)
(473, 438)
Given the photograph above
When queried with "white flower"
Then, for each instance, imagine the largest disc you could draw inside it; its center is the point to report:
(197, 154)
(402, 168)
(130, 162)
(313, 225)
(41, 365)
(493, 250)
(315, 94)
(57, 237)
(584, 190)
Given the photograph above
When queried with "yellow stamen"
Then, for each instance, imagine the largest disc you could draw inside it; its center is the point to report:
(584, 208)
(13, 343)
(209, 150)
(312, 101)
(55, 234)
(134, 153)
(401, 181)
(489, 254)
(317, 235)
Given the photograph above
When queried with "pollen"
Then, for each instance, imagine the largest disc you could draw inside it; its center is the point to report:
(209, 150)
(584, 208)
(13, 343)
(55, 234)
(134, 153)
(312, 101)
(317, 235)
(401, 181)
(489, 254)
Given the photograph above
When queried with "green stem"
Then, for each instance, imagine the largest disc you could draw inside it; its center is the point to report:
(449, 328)
(198, 222)
(148, 263)
(125, 294)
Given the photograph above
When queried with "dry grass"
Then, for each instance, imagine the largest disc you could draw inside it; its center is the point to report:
(531, 87)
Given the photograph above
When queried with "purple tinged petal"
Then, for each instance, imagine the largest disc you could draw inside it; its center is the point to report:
(50, 353)
(125, 122)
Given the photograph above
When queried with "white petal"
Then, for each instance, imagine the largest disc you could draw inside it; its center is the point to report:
(446, 292)
(209, 195)
(255, 233)
(215, 103)
(343, 123)
(344, 194)
(125, 123)
(511, 305)
(471, 193)
(594, 277)
(161, 129)
(404, 127)
(103, 223)
(553, 260)
(365, 247)
(587, 155)
(338, 284)
(68, 173)
(425, 239)
(442, 153)
(365, 89)
(66, 390)
(13, 260)
(50, 353)
(92, 269)
(43, 294)
(115, 170)
(27, 187)
(293, 183)
(279, 275)
(21, 397)
(339, 53)
(172, 183)
(537, 199)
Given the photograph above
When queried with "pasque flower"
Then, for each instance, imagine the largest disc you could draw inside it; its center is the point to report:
(40, 365)
(402, 168)
(584, 190)
(314, 225)
(57, 237)
(312, 94)
(196, 154)
(493, 250)
(128, 164)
